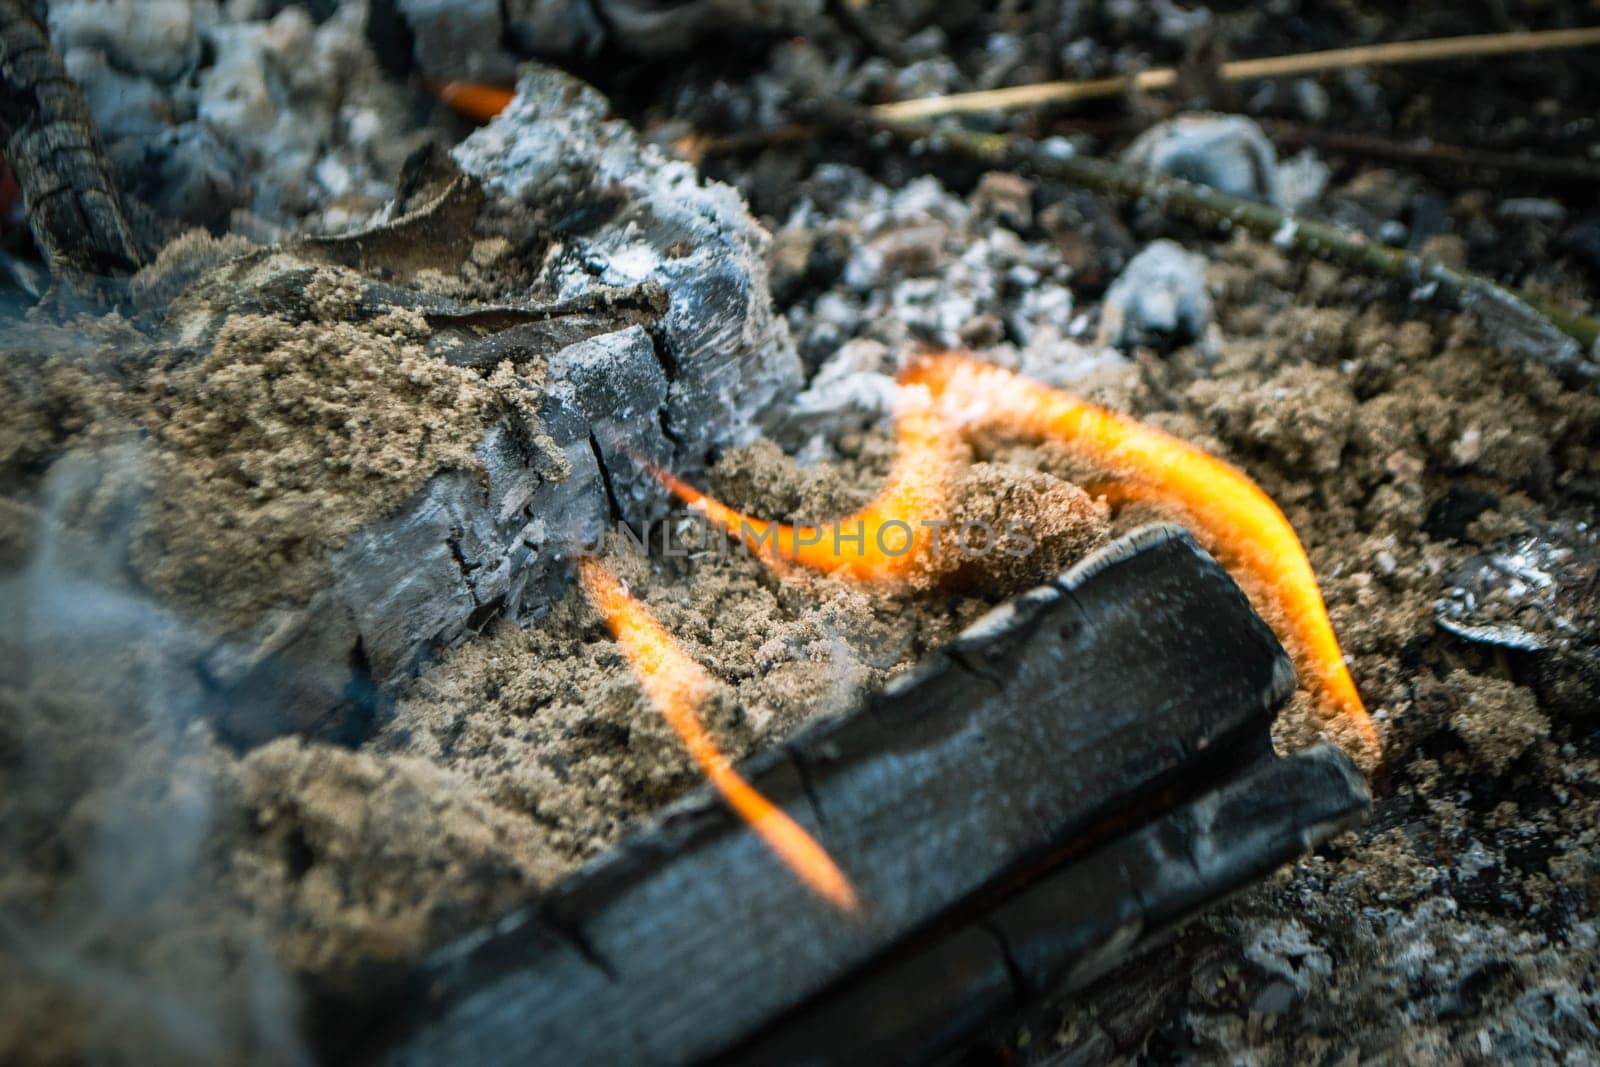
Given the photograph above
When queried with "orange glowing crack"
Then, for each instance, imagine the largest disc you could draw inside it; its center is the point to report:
(477, 102)
(678, 686)
(1246, 527)
(889, 539)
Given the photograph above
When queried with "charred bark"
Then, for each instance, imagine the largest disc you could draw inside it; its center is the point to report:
(1076, 774)
(49, 140)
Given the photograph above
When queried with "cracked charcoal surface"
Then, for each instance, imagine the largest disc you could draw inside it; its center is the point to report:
(351, 547)
(729, 357)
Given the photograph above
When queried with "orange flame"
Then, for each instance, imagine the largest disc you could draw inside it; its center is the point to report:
(947, 396)
(477, 102)
(885, 541)
(1242, 521)
(678, 686)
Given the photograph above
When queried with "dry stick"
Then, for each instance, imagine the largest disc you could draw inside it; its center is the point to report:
(1060, 92)
(1511, 317)
(1375, 55)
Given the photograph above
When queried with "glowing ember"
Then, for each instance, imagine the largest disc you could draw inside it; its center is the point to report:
(888, 540)
(477, 102)
(1245, 526)
(677, 685)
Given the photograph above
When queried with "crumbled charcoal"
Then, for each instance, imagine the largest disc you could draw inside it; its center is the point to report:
(125, 106)
(853, 390)
(184, 173)
(157, 38)
(459, 40)
(1532, 209)
(260, 107)
(280, 92)
(484, 39)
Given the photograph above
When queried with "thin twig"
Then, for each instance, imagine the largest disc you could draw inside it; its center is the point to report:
(1376, 55)
(1512, 315)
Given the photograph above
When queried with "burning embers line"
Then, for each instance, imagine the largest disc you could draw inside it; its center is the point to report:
(679, 687)
(900, 528)
(946, 400)
(1246, 529)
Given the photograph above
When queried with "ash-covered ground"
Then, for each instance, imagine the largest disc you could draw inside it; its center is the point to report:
(196, 476)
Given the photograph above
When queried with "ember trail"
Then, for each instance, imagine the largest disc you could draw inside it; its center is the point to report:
(949, 396)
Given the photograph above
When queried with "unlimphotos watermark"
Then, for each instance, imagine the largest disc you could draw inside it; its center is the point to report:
(694, 535)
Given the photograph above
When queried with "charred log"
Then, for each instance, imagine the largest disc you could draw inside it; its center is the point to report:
(1076, 774)
(49, 140)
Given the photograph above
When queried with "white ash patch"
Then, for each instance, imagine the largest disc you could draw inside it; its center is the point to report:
(213, 114)
(928, 268)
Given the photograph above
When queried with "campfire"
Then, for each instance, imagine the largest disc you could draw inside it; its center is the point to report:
(929, 535)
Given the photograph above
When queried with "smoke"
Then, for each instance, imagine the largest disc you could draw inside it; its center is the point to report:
(109, 781)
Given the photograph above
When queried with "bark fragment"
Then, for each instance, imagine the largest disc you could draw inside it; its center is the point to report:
(50, 143)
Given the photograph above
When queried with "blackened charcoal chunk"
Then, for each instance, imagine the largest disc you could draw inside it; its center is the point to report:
(616, 383)
(470, 546)
(937, 796)
(1453, 512)
(728, 356)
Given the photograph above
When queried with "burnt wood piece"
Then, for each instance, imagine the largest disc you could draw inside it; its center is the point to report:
(436, 209)
(49, 140)
(607, 210)
(1076, 923)
(1080, 769)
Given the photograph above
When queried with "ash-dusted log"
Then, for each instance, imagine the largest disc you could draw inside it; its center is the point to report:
(620, 214)
(640, 319)
(1082, 768)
